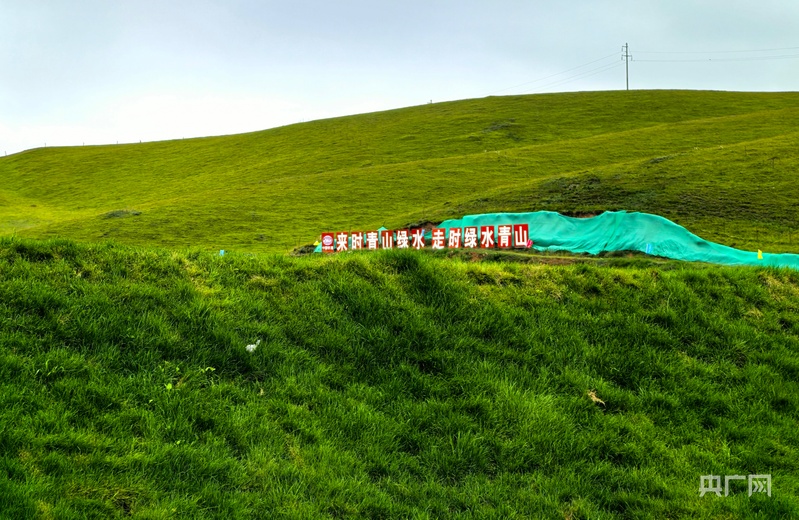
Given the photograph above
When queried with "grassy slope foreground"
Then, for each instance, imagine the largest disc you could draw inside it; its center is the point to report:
(723, 164)
(390, 385)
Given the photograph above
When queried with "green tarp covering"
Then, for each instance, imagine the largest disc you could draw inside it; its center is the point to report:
(620, 231)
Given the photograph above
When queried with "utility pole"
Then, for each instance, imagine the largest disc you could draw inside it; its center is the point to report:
(626, 57)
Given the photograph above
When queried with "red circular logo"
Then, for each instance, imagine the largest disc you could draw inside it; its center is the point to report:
(327, 240)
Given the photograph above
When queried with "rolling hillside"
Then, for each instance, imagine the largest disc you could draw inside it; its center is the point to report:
(721, 164)
(390, 385)
(143, 375)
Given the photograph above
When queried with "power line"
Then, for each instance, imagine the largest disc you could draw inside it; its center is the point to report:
(719, 52)
(582, 75)
(627, 57)
(705, 60)
(553, 75)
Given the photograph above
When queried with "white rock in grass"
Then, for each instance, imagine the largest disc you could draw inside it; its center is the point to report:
(251, 348)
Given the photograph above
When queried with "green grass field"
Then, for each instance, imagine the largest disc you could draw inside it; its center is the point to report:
(721, 164)
(390, 385)
(403, 384)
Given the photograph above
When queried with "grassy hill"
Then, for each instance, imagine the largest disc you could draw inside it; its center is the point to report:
(720, 163)
(390, 385)
(402, 384)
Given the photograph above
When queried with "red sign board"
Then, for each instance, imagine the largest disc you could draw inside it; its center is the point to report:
(328, 243)
(454, 238)
(521, 235)
(342, 241)
(487, 237)
(372, 239)
(504, 236)
(470, 237)
(403, 239)
(439, 236)
(417, 238)
(357, 241)
(387, 239)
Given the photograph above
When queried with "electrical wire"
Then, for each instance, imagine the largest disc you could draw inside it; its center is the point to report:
(605, 68)
(718, 52)
(705, 60)
(556, 74)
(582, 75)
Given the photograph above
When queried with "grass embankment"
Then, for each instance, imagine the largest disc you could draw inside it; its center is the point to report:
(387, 385)
(722, 164)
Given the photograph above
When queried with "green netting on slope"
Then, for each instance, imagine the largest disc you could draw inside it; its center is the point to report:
(620, 231)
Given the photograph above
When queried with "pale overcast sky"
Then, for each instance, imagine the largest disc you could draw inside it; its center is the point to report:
(102, 71)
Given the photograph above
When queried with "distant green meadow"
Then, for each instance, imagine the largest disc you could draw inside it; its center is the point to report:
(144, 375)
(721, 164)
